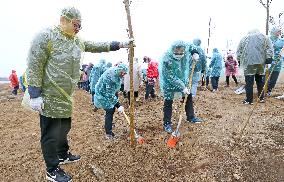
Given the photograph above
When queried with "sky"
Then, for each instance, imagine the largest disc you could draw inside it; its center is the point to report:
(156, 24)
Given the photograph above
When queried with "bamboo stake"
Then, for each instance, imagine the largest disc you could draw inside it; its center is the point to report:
(130, 57)
(266, 6)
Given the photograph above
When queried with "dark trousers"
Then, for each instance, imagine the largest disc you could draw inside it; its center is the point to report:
(135, 96)
(215, 82)
(15, 90)
(189, 110)
(109, 120)
(273, 79)
(228, 79)
(54, 143)
(207, 80)
(150, 89)
(259, 79)
(93, 95)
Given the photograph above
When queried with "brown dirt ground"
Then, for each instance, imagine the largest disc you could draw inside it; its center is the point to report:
(206, 151)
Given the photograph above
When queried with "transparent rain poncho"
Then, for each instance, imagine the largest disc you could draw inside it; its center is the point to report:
(216, 63)
(53, 67)
(107, 86)
(173, 72)
(277, 43)
(96, 73)
(254, 49)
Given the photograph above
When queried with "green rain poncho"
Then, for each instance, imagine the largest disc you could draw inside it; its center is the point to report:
(53, 66)
(174, 73)
(107, 86)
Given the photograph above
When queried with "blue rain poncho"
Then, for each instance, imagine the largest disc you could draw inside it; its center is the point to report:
(107, 86)
(173, 73)
(216, 63)
(277, 43)
(108, 65)
(253, 49)
(96, 73)
(201, 64)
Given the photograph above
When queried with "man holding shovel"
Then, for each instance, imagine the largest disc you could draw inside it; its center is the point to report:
(174, 73)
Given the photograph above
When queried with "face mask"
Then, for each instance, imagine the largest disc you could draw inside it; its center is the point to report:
(195, 56)
(178, 56)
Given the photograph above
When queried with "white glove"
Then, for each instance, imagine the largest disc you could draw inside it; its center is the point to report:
(126, 44)
(186, 91)
(36, 104)
(195, 56)
(120, 109)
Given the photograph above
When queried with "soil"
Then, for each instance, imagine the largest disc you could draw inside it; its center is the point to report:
(209, 151)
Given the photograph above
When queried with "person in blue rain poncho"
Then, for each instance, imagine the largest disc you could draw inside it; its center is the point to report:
(106, 94)
(278, 44)
(174, 74)
(108, 65)
(216, 68)
(52, 75)
(200, 65)
(95, 74)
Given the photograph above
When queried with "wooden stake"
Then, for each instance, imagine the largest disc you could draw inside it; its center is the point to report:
(130, 58)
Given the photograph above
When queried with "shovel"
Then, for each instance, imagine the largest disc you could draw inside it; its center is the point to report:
(173, 140)
(139, 139)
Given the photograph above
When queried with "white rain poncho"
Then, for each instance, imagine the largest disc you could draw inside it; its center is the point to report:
(53, 66)
(96, 73)
(137, 78)
(254, 48)
(107, 86)
(174, 73)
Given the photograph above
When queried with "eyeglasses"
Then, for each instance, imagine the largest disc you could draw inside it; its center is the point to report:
(179, 53)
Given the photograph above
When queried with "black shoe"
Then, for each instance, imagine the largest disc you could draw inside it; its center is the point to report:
(58, 175)
(69, 159)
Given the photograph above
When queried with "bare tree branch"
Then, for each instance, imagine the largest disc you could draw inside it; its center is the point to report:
(263, 4)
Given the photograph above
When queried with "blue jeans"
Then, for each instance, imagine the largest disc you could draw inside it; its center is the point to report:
(195, 80)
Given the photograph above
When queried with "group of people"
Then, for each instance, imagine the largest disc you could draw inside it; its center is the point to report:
(17, 83)
(53, 74)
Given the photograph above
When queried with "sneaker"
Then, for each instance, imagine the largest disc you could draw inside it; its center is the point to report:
(69, 159)
(214, 90)
(168, 128)
(247, 103)
(195, 120)
(110, 136)
(261, 101)
(269, 94)
(58, 175)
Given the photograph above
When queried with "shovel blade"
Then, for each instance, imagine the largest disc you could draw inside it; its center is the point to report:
(172, 142)
(140, 140)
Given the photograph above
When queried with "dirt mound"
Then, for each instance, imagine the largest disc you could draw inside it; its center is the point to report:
(206, 151)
